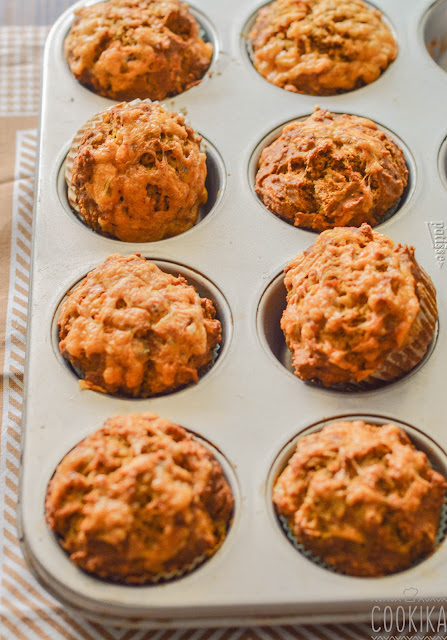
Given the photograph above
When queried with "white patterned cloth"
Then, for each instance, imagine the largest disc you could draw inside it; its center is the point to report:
(20, 61)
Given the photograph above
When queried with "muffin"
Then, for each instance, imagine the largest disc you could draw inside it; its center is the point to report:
(136, 173)
(139, 500)
(331, 171)
(361, 498)
(360, 310)
(126, 49)
(321, 47)
(130, 328)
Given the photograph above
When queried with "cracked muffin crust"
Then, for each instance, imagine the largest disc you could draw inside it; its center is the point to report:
(359, 309)
(331, 170)
(132, 329)
(139, 500)
(362, 498)
(321, 47)
(126, 49)
(137, 173)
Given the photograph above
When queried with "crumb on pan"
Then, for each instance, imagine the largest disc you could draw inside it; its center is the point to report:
(358, 306)
(126, 49)
(321, 47)
(134, 330)
(138, 173)
(331, 170)
(362, 498)
(139, 500)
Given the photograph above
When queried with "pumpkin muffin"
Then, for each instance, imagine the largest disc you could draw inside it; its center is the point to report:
(139, 500)
(331, 170)
(136, 173)
(126, 49)
(361, 498)
(321, 47)
(360, 310)
(131, 329)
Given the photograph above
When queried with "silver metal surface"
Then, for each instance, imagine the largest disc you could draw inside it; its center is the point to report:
(249, 405)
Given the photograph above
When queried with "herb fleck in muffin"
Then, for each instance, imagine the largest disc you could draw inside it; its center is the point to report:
(126, 49)
(331, 170)
(139, 500)
(132, 329)
(362, 498)
(360, 310)
(321, 47)
(136, 173)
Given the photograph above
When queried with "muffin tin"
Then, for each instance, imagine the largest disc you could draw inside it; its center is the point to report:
(249, 406)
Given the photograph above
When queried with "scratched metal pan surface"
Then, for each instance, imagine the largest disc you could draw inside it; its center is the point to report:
(250, 405)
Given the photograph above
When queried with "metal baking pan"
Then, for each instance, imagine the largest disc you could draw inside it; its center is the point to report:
(249, 405)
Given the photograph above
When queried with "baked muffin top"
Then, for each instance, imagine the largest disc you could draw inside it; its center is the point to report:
(132, 329)
(126, 49)
(139, 499)
(321, 47)
(138, 173)
(353, 298)
(331, 170)
(361, 497)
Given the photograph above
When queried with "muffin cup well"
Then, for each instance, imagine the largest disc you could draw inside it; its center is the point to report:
(248, 52)
(442, 162)
(275, 133)
(434, 33)
(215, 182)
(204, 287)
(207, 32)
(435, 454)
(224, 527)
(270, 309)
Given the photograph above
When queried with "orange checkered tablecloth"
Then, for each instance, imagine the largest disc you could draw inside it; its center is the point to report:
(27, 612)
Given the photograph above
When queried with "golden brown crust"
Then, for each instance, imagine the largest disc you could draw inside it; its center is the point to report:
(126, 49)
(138, 173)
(321, 47)
(355, 303)
(133, 329)
(331, 170)
(362, 498)
(139, 499)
